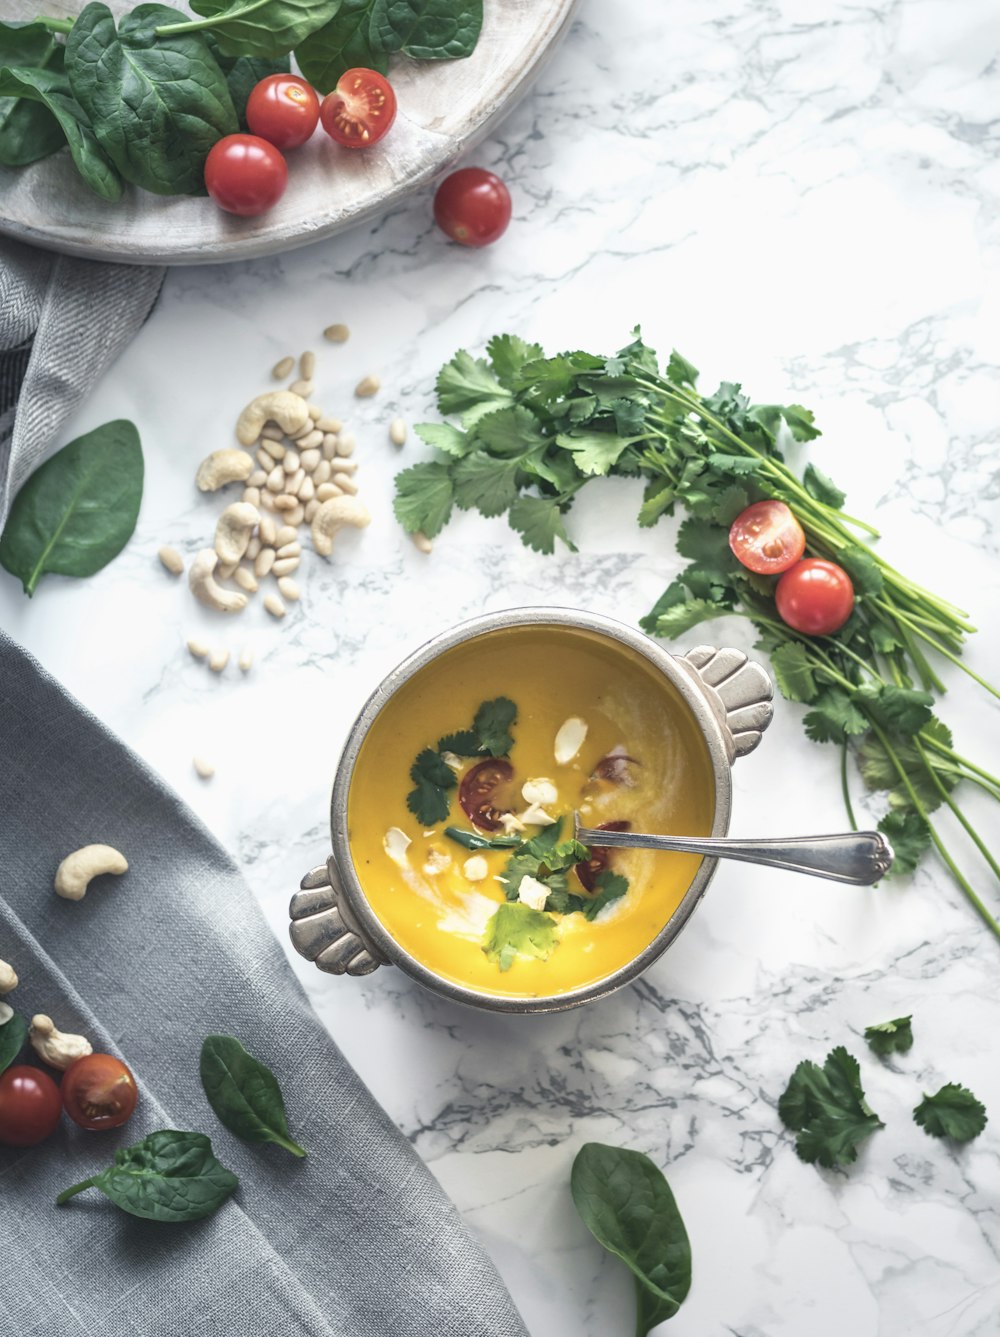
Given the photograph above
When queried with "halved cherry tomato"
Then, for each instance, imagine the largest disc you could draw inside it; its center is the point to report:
(360, 110)
(245, 175)
(477, 789)
(283, 109)
(29, 1106)
(815, 597)
(99, 1091)
(472, 206)
(767, 538)
(600, 856)
(616, 768)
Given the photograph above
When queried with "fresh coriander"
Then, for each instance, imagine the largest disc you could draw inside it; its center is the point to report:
(433, 778)
(609, 887)
(489, 737)
(244, 1093)
(951, 1112)
(517, 930)
(826, 1107)
(890, 1037)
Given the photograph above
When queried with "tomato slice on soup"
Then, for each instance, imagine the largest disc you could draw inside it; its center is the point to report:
(478, 789)
(600, 856)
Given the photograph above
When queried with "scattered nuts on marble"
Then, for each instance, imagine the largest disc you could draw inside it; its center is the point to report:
(285, 566)
(218, 660)
(303, 388)
(337, 334)
(307, 365)
(246, 660)
(198, 648)
(285, 408)
(171, 560)
(367, 386)
(334, 515)
(397, 432)
(222, 467)
(345, 484)
(205, 588)
(263, 562)
(283, 369)
(203, 766)
(274, 605)
(345, 444)
(421, 542)
(232, 532)
(288, 589)
(245, 578)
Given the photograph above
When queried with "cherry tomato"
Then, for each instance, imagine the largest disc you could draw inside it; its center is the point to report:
(472, 206)
(29, 1106)
(245, 175)
(815, 597)
(478, 788)
(283, 109)
(616, 768)
(360, 110)
(600, 856)
(767, 538)
(99, 1091)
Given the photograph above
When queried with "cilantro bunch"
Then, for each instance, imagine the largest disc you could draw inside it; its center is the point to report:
(533, 430)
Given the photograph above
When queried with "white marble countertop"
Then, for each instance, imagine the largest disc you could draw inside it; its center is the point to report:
(803, 195)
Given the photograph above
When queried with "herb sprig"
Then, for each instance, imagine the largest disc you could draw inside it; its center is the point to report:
(433, 778)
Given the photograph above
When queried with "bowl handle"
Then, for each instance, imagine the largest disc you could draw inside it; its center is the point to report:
(325, 931)
(738, 691)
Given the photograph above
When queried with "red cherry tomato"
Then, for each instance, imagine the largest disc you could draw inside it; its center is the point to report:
(767, 538)
(29, 1106)
(472, 206)
(245, 175)
(99, 1091)
(600, 856)
(617, 769)
(815, 597)
(477, 791)
(283, 109)
(360, 110)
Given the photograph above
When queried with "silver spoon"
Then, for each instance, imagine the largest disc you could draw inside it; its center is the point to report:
(857, 857)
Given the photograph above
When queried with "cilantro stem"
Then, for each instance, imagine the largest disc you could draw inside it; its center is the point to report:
(954, 659)
(947, 798)
(845, 789)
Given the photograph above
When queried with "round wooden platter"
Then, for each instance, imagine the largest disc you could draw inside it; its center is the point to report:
(445, 108)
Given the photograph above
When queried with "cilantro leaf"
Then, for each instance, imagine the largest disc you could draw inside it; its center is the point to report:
(442, 436)
(708, 545)
(681, 371)
(464, 743)
(485, 484)
(657, 500)
(432, 777)
(826, 1107)
(890, 1037)
(610, 887)
(834, 717)
(681, 617)
(736, 466)
(901, 710)
(864, 571)
(467, 386)
(595, 452)
(492, 726)
(539, 522)
(878, 771)
(793, 672)
(510, 431)
(910, 838)
(951, 1112)
(798, 420)
(424, 498)
(518, 930)
(822, 488)
(508, 354)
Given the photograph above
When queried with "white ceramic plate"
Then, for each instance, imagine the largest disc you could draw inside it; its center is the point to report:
(445, 107)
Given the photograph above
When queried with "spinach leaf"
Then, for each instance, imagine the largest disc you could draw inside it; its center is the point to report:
(157, 105)
(244, 1093)
(267, 28)
(626, 1204)
(168, 1176)
(244, 73)
(50, 89)
(78, 509)
(13, 1034)
(28, 130)
(342, 44)
(427, 29)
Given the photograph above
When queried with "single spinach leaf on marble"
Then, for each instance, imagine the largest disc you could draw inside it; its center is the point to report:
(626, 1204)
(13, 1034)
(28, 129)
(50, 89)
(427, 29)
(157, 104)
(951, 1112)
(78, 509)
(169, 1176)
(342, 44)
(890, 1037)
(266, 28)
(244, 1093)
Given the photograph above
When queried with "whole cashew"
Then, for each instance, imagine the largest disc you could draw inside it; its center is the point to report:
(8, 977)
(333, 515)
(232, 533)
(56, 1048)
(222, 467)
(77, 870)
(281, 406)
(206, 589)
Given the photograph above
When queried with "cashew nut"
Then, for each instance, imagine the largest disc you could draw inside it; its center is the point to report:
(56, 1048)
(288, 410)
(207, 590)
(333, 515)
(78, 869)
(232, 533)
(8, 977)
(6, 1012)
(222, 467)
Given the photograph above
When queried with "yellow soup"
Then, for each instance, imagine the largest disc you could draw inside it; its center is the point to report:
(642, 760)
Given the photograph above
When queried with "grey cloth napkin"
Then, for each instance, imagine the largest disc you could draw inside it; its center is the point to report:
(356, 1239)
(63, 321)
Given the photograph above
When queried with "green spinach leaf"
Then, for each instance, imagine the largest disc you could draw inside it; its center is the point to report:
(77, 510)
(243, 73)
(28, 129)
(244, 1093)
(342, 44)
(951, 1112)
(427, 29)
(267, 28)
(626, 1204)
(50, 89)
(169, 1176)
(13, 1034)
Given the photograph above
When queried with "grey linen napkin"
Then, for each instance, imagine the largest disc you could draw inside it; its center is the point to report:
(62, 322)
(356, 1239)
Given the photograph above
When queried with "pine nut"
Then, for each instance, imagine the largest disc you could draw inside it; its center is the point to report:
(290, 550)
(286, 502)
(342, 466)
(246, 660)
(276, 479)
(307, 365)
(291, 461)
(253, 547)
(267, 500)
(246, 579)
(203, 766)
(286, 566)
(346, 444)
(346, 484)
(322, 472)
(296, 516)
(285, 535)
(265, 462)
(327, 490)
(311, 508)
(310, 441)
(259, 477)
(198, 648)
(397, 432)
(421, 542)
(307, 427)
(275, 449)
(337, 334)
(329, 446)
(294, 484)
(366, 387)
(224, 570)
(329, 425)
(252, 495)
(171, 560)
(315, 412)
(218, 660)
(303, 388)
(267, 530)
(274, 605)
(288, 589)
(283, 368)
(309, 459)
(271, 432)
(263, 562)
(306, 490)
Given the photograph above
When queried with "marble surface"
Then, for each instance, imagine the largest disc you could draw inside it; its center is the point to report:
(802, 194)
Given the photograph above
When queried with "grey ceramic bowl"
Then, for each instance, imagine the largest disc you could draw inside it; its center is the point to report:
(333, 924)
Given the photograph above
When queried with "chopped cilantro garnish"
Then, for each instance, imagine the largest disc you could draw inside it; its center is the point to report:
(489, 736)
(492, 726)
(432, 777)
(517, 930)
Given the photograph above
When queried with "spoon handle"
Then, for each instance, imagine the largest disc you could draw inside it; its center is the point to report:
(857, 857)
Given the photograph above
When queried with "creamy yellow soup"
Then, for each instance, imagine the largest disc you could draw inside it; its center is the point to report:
(423, 896)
